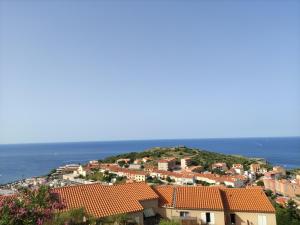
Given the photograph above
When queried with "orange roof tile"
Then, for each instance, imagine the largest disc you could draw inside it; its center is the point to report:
(215, 198)
(162, 161)
(165, 194)
(246, 200)
(102, 200)
(190, 197)
(198, 198)
(282, 200)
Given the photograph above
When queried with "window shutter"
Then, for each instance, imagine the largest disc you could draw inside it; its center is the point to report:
(203, 217)
(264, 220)
(212, 218)
(259, 220)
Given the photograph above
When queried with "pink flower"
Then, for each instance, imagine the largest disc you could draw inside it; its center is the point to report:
(39, 221)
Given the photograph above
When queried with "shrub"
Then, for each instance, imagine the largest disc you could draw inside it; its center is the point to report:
(29, 207)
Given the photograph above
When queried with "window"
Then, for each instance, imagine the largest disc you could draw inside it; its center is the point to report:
(184, 214)
(232, 218)
(208, 219)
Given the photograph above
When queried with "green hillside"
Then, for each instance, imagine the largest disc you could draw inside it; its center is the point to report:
(199, 157)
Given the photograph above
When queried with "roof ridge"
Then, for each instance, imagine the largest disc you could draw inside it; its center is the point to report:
(174, 197)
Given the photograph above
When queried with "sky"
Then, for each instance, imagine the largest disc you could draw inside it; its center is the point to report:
(126, 70)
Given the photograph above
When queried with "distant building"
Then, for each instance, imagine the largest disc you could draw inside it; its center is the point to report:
(194, 169)
(238, 168)
(163, 164)
(166, 164)
(272, 175)
(220, 166)
(80, 172)
(135, 175)
(282, 186)
(279, 169)
(125, 160)
(255, 168)
(185, 162)
(134, 166)
(146, 159)
(137, 161)
(298, 179)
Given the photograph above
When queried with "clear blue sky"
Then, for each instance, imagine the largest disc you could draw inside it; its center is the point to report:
(111, 70)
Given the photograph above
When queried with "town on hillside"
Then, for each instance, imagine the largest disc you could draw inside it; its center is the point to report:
(189, 185)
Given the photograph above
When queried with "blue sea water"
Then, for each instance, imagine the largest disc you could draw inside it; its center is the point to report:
(26, 160)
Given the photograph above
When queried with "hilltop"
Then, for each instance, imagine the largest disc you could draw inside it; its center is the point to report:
(198, 156)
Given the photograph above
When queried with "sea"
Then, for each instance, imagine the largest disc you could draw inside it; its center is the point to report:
(19, 161)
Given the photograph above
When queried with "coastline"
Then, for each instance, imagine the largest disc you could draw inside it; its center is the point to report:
(28, 160)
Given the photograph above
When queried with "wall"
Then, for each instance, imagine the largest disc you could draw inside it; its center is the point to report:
(163, 166)
(137, 217)
(175, 213)
(150, 204)
(244, 218)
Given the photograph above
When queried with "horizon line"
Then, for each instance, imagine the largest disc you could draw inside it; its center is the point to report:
(151, 139)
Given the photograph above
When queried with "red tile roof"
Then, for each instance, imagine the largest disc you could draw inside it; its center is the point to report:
(162, 161)
(190, 197)
(198, 198)
(246, 200)
(101, 200)
(165, 194)
(215, 198)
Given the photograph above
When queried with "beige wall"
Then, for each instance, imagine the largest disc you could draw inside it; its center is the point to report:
(244, 218)
(150, 204)
(137, 217)
(171, 213)
(241, 217)
(163, 166)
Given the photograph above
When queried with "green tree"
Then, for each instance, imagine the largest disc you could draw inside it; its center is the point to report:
(169, 179)
(121, 163)
(260, 183)
(287, 215)
(120, 219)
(72, 217)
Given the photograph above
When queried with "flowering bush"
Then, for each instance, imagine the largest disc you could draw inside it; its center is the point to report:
(29, 207)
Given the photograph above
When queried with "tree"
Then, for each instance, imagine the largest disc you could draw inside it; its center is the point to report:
(95, 175)
(218, 171)
(72, 217)
(168, 222)
(260, 183)
(288, 215)
(121, 163)
(269, 193)
(120, 219)
(169, 179)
